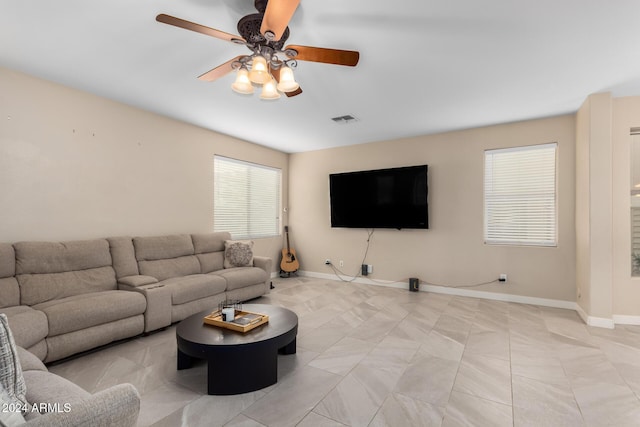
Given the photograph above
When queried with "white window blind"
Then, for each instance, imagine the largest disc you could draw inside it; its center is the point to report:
(520, 196)
(246, 198)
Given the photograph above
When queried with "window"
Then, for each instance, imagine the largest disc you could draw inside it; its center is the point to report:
(520, 196)
(246, 198)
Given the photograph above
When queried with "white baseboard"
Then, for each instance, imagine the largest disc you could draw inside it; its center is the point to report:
(583, 315)
(455, 291)
(621, 319)
(600, 322)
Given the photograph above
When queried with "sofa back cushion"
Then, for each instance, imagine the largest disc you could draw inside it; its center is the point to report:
(164, 257)
(9, 291)
(54, 270)
(124, 256)
(209, 249)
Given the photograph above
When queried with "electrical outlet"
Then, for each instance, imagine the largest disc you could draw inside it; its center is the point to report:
(341, 263)
(327, 261)
(369, 268)
(502, 277)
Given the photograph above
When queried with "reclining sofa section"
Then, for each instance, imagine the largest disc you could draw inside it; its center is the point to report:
(183, 274)
(63, 298)
(74, 285)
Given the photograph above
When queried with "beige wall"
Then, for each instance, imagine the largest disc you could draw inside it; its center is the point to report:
(626, 289)
(452, 251)
(76, 166)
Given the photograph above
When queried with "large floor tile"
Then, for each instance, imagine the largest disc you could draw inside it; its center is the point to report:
(488, 343)
(399, 410)
(210, 411)
(470, 411)
(428, 378)
(485, 377)
(455, 327)
(356, 399)
(163, 401)
(543, 368)
(343, 356)
(537, 403)
(604, 403)
(290, 401)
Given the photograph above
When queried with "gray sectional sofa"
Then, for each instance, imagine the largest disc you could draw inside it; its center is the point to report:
(63, 298)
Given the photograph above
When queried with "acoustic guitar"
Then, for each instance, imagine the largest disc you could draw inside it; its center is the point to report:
(289, 263)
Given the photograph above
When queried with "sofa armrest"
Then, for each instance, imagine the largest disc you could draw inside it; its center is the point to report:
(158, 296)
(116, 406)
(263, 262)
(138, 280)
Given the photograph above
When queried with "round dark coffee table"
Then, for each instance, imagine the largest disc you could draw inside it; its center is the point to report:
(238, 362)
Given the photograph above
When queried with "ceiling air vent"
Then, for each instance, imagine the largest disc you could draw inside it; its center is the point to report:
(345, 119)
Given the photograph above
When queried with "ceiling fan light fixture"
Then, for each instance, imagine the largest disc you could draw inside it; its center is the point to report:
(242, 84)
(259, 73)
(287, 81)
(269, 91)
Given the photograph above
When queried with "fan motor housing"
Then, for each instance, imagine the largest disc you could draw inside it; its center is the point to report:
(249, 29)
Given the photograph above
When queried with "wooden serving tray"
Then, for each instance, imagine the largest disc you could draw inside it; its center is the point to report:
(215, 319)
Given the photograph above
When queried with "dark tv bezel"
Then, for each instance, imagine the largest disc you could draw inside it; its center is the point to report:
(366, 225)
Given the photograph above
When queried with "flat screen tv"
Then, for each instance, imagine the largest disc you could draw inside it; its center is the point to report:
(382, 198)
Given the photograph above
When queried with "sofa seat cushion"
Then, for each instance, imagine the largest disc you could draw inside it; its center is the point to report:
(240, 277)
(28, 326)
(83, 311)
(196, 286)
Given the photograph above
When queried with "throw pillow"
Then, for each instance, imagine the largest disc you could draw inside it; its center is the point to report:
(238, 253)
(10, 414)
(11, 377)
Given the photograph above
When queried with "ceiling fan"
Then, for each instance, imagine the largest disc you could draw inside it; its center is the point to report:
(270, 63)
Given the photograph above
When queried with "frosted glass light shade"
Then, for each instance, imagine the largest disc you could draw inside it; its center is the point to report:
(259, 73)
(269, 90)
(242, 84)
(287, 81)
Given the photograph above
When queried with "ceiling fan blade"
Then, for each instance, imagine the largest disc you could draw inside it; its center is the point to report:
(328, 56)
(277, 17)
(188, 25)
(275, 72)
(219, 71)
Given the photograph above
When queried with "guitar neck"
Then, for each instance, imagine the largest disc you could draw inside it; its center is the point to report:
(286, 233)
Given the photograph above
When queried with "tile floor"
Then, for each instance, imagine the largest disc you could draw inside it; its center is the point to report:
(376, 356)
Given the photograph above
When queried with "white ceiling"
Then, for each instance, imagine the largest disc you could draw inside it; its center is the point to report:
(426, 66)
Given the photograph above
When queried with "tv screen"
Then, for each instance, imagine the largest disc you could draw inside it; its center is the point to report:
(382, 198)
